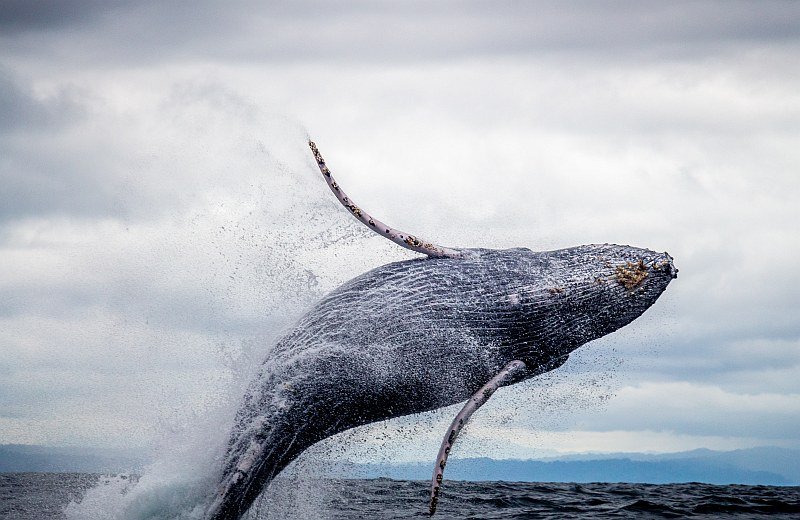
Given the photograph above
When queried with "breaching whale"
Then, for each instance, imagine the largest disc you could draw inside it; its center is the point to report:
(417, 335)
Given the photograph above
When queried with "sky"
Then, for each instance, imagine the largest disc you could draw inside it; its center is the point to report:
(161, 218)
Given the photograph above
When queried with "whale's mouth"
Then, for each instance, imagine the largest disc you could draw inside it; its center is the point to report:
(673, 271)
(664, 266)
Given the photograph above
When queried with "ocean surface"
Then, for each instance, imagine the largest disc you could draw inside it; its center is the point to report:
(29, 496)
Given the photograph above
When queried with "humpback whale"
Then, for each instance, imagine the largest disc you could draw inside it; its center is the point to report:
(421, 334)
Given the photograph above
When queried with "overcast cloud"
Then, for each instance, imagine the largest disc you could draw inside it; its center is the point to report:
(161, 219)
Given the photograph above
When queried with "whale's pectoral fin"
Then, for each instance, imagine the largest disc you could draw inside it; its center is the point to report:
(510, 374)
(400, 238)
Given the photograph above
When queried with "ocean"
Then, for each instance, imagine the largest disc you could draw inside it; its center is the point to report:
(36, 496)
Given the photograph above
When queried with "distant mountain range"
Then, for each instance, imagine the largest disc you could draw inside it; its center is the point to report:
(766, 465)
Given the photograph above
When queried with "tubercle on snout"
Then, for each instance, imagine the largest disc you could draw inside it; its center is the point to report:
(632, 274)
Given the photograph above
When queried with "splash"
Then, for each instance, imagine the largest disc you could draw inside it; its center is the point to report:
(250, 252)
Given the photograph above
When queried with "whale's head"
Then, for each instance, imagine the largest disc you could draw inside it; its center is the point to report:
(562, 299)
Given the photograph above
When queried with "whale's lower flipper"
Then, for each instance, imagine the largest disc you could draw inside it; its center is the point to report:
(511, 373)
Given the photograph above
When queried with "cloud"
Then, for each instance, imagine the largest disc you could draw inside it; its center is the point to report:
(159, 206)
(523, 443)
(154, 305)
(700, 410)
(148, 32)
(21, 110)
(21, 15)
(85, 156)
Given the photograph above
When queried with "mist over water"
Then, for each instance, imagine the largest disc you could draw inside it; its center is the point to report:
(244, 255)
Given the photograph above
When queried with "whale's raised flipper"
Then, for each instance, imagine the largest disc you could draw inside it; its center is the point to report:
(398, 237)
(510, 374)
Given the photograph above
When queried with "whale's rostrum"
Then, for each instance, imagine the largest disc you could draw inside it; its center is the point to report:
(422, 334)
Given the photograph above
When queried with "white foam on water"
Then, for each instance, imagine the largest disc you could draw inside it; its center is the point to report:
(175, 485)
